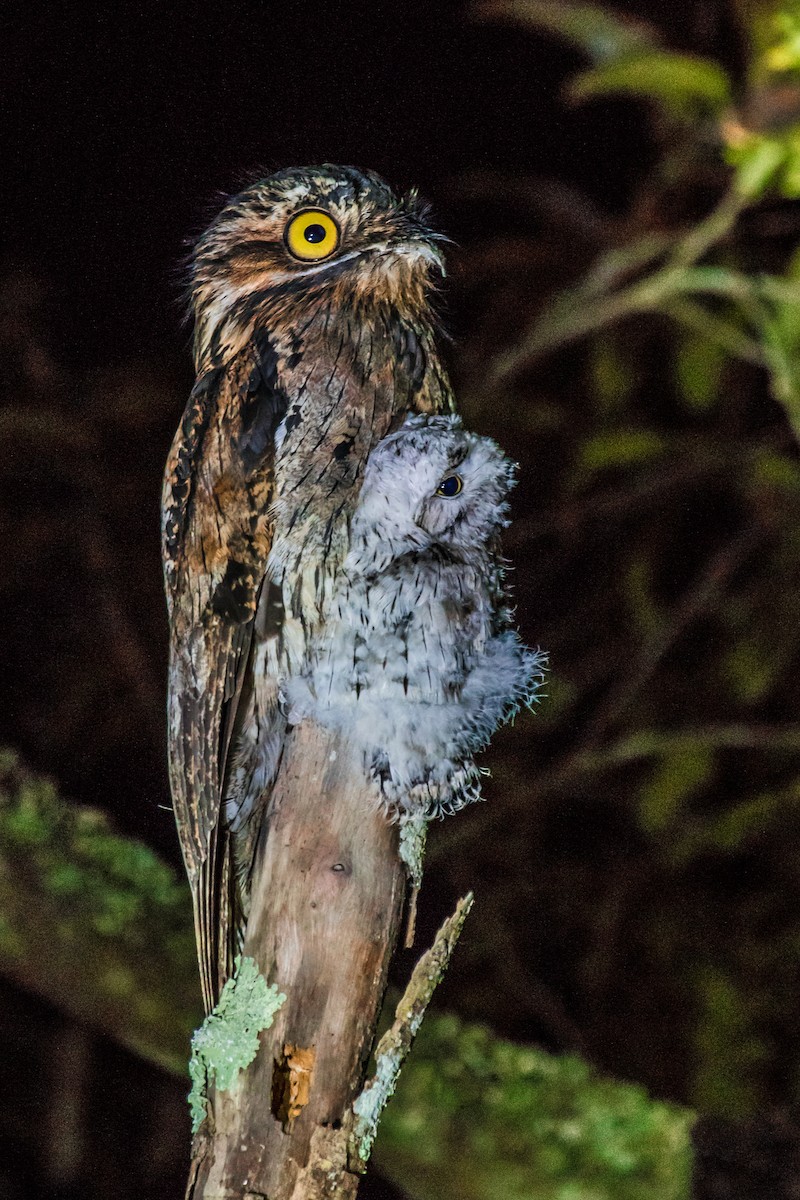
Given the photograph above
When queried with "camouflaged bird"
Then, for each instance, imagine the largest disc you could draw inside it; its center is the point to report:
(314, 337)
(418, 662)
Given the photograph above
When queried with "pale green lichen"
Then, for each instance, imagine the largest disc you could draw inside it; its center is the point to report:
(227, 1041)
(369, 1106)
(373, 1099)
(413, 835)
(396, 1041)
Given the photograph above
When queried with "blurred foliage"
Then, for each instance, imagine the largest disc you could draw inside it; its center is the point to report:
(114, 946)
(643, 873)
(546, 1129)
(84, 621)
(93, 921)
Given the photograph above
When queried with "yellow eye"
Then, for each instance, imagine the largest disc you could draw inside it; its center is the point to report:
(450, 486)
(312, 235)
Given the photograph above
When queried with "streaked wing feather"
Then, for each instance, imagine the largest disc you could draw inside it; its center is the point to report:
(216, 540)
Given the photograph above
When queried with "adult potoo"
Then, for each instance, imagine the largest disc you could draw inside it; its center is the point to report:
(314, 337)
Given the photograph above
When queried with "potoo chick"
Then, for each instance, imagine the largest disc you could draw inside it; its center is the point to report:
(417, 659)
(314, 337)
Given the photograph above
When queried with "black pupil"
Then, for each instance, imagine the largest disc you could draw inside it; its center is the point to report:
(315, 233)
(449, 486)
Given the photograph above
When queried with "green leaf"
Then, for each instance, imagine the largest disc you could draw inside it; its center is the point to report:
(757, 161)
(728, 1049)
(776, 472)
(717, 281)
(613, 372)
(698, 371)
(779, 320)
(600, 34)
(784, 53)
(679, 83)
(674, 780)
(640, 594)
(789, 184)
(615, 265)
(748, 672)
(745, 822)
(623, 448)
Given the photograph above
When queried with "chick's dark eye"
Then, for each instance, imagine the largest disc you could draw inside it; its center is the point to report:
(450, 486)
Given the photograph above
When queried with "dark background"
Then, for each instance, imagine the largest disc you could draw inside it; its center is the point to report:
(123, 128)
(126, 125)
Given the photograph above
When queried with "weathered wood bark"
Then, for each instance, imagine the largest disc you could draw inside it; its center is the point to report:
(326, 907)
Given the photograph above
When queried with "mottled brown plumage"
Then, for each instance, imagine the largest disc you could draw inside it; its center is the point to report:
(302, 366)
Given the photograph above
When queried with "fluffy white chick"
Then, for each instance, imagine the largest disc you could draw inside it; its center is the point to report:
(416, 659)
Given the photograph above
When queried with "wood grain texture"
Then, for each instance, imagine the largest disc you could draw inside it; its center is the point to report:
(325, 913)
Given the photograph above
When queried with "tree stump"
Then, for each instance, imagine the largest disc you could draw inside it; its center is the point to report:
(327, 899)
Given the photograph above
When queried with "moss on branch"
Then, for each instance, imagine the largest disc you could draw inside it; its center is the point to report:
(96, 924)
